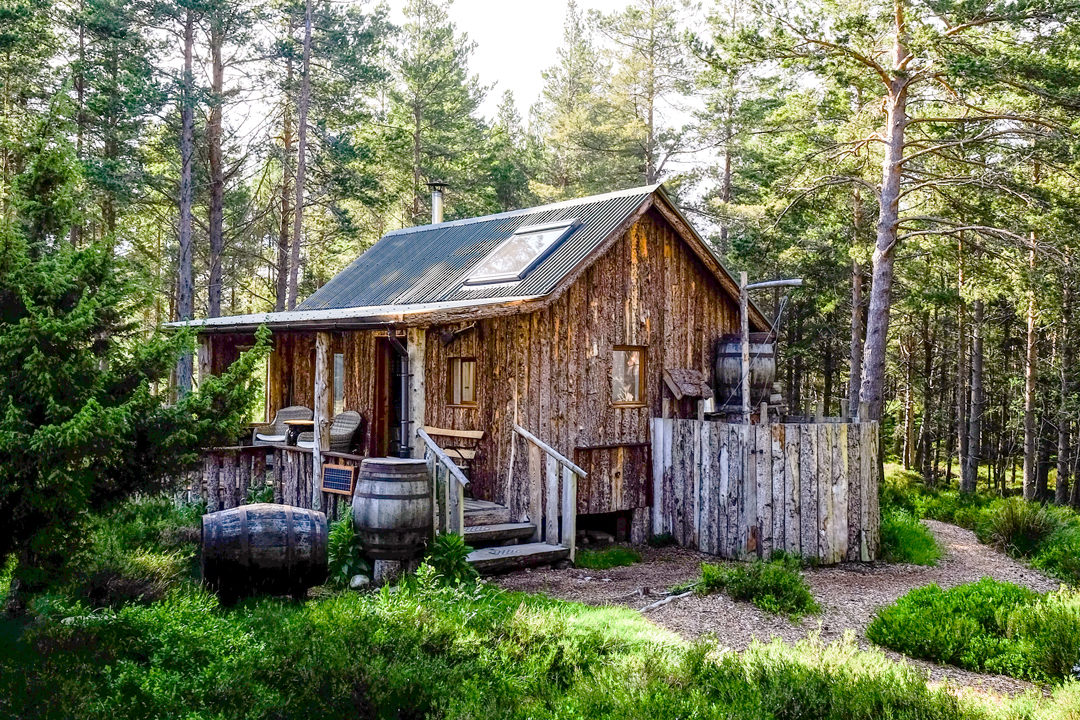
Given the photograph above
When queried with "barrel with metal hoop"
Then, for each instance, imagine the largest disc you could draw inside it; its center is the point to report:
(264, 547)
(728, 376)
(392, 508)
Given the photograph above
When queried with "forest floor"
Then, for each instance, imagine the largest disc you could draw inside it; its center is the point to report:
(849, 594)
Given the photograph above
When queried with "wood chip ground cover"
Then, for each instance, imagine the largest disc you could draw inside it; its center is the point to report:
(849, 594)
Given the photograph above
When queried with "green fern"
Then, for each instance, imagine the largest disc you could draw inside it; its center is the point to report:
(449, 556)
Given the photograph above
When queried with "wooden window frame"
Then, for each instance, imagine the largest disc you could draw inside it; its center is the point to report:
(642, 381)
(451, 378)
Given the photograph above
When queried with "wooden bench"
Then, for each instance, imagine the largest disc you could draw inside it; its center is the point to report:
(459, 445)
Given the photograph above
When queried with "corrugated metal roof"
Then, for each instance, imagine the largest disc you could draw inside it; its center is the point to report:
(428, 263)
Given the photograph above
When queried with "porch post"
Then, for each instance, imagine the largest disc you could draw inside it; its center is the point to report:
(322, 411)
(205, 357)
(416, 339)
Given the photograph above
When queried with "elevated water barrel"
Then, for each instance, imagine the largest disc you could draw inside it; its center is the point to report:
(263, 548)
(728, 369)
(392, 512)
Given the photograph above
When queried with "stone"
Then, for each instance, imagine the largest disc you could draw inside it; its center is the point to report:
(359, 581)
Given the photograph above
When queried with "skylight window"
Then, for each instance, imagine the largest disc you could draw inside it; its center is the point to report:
(514, 257)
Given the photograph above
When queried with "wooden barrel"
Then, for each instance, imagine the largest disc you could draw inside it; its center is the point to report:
(263, 548)
(392, 508)
(728, 375)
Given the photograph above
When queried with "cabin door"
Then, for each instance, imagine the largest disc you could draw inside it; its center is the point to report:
(386, 425)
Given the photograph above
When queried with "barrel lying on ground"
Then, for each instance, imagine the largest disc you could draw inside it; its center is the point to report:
(392, 508)
(263, 548)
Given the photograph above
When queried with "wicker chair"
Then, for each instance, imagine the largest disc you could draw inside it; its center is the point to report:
(342, 431)
(274, 433)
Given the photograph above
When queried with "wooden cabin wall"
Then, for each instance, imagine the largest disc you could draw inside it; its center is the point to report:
(550, 371)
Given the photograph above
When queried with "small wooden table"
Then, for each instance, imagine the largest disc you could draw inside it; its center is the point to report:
(295, 428)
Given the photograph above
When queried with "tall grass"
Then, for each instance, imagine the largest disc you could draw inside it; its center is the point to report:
(904, 539)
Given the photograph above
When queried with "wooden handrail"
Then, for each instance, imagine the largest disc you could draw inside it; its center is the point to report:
(563, 460)
(442, 457)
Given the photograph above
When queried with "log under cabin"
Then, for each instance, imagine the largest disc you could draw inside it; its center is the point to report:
(560, 319)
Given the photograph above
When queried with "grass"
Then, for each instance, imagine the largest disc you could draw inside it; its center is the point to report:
(987, 626)
(1047, 537)
(616, 556)
(904, 539)
(422, 649)
(775, 586)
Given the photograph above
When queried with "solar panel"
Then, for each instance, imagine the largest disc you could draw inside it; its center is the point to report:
(338, 479)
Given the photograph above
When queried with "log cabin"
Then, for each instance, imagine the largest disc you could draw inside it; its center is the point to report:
(576, 322)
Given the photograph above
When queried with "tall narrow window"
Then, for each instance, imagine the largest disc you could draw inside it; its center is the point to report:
(628, 376)
(339, 383)
(462, 388)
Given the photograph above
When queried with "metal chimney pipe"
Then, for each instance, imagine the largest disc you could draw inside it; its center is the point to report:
(437, 188)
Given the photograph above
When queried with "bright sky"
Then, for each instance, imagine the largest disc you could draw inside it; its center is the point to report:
(516, 40)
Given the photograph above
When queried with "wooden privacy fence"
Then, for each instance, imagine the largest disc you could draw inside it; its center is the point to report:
(738, 490)
(230, 474)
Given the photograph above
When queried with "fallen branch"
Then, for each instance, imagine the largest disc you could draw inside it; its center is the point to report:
(665, 601)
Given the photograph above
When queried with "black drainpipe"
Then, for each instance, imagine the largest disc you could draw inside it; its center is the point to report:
(404, 447)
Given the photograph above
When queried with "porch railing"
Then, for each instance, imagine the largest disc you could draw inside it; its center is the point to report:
(232, 476)
(448, 487)
(554, 505)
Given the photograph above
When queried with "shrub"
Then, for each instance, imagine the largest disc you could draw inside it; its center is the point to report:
(776, 586)
(986, 626)
(344, 553)
(1050, 631)
(608, 558)
(1019, 527)
(906, 540)
(449, 556)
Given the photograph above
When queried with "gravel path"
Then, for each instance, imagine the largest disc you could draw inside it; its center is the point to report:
(849, 594)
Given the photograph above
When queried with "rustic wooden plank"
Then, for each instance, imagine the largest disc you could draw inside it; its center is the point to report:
(748, 517)
(657, 475)
(864, 489)
(551, 501)
(736, 456)
(569, 510)
(841, 473)
(278, 476)
(779, 466)
(244, 481)
(723, 492)
(669, 477)
(824, 488)
(229, 471)
(694, 506)
(706, 524)
(854, 493)
(792, 491)
(808, 488)
(763, 487)
(535, 492)
(873, 491)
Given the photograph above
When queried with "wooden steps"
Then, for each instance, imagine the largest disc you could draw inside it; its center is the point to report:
(498, 534)
(482, 512)
(503, 558)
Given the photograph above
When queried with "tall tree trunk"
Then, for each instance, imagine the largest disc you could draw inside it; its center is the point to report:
(970, 468)
(214, 133)
(907, 353)
(1030, 379)
(1061, 489)
(301, 158)
(285, 223)
(856, 358)
(827, 379)
(185, 286)
(877, 323)
(961, 367)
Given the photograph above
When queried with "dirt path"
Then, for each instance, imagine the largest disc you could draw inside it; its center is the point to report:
(849, 594)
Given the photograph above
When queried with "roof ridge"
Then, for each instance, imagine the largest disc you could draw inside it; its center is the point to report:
(574, 202)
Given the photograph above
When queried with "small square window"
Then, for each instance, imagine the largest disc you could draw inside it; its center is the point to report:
(628, 376)
(462, 389)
